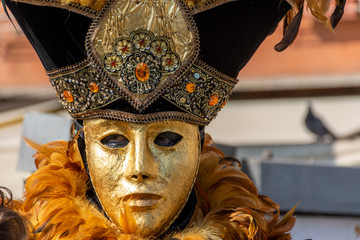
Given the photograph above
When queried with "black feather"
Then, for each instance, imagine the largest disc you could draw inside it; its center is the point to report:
(338, 13)
(291, 32)
(8, 15)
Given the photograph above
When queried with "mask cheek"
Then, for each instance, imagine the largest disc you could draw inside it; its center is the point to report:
(166, 159)
(176, 163)
(105, 168)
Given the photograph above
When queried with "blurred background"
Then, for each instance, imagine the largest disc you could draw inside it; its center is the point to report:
(293, 121)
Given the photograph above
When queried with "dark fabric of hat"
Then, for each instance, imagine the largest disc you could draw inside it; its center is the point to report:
(229, 33)
(57, 35)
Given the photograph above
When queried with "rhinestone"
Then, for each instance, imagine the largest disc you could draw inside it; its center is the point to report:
(190, 87)
(142, 72)
(68, 96)
(169, 61)
(197, 75)
(93, 87)
(213, 100)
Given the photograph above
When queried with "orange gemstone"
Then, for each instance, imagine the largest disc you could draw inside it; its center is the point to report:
(142, 72)
(141, 42)
(190, 87)
(213, 100)
(124, 49)
(93, 87)
(113, 63)
(68, 96)
(224, 103)
(158, 49)
(169, 61)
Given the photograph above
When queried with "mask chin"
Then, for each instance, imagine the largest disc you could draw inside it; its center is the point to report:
(186, 213)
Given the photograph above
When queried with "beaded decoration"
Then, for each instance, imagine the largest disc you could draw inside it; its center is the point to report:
(140, 62)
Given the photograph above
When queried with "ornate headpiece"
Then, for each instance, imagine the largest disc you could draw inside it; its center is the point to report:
(152, 59)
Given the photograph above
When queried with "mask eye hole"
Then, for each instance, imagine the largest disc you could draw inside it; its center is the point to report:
(167, 139)
(115, 141)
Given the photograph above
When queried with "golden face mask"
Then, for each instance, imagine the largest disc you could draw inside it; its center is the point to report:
(142, 173)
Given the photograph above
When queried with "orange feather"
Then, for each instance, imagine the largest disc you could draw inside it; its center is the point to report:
(228, 206)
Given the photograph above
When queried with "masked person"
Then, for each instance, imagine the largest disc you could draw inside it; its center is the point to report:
(142, 78)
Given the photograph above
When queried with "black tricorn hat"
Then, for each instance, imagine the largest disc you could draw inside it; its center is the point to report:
(144, 61)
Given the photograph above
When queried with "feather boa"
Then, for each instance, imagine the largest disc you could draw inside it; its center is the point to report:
(228, 205)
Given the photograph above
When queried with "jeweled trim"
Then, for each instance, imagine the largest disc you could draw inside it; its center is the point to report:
(134, 99)
(215, 73)
(207, 5)
(73, 7)
(140, 118)
(209, 96)
(201, 92)
(79, 84)
(68, 69)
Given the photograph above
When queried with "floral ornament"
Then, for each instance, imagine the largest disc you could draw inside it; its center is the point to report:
(142, 41)
(112, 63)
(140, 61)
(123, 48)
(141, 73)
(170, 62)
(159, 48)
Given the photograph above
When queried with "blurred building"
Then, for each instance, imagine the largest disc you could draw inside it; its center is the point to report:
(263, 125)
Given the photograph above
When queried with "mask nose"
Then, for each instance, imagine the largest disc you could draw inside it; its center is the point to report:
(139, 177)
(141, 165)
